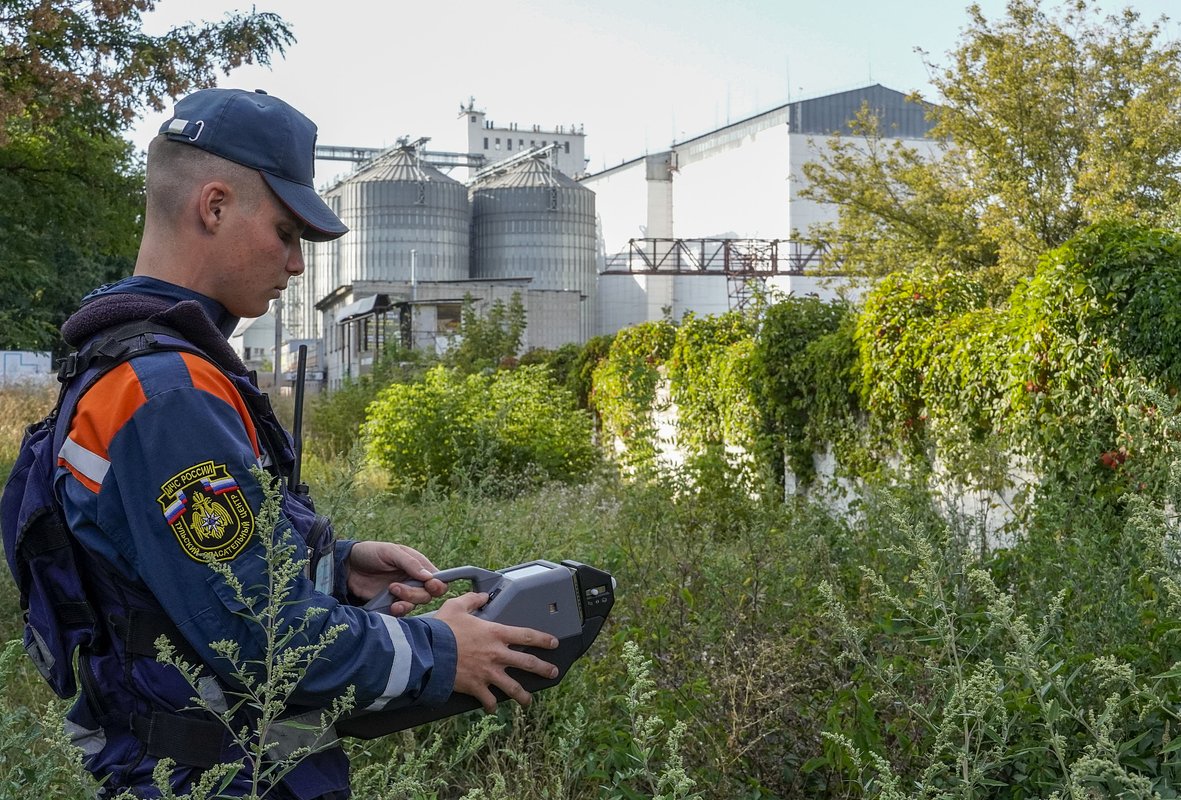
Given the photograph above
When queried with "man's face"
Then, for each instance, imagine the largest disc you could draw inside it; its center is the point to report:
(259, 254)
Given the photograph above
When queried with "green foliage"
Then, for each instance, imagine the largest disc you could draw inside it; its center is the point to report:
(335, 418)
(1044, 122)
(579, 380)
(488, 341)
(498, 432)
(899, 322)
(72, 77)
(60, 56)
(36, 757)
(804, 368)
(624, 393)
(708, 373)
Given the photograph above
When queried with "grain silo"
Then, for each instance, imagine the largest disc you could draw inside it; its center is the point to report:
(404, 217)
(532, 221)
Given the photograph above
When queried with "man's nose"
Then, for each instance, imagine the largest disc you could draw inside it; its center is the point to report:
(295, 263)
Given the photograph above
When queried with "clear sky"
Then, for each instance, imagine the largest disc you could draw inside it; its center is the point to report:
(637, 74)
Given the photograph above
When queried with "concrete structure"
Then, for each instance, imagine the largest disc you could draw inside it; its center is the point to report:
(496, 143)
(26, 367)
(362, 320)
(740, 184)
(254, 342)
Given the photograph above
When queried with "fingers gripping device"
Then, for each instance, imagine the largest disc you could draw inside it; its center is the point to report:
(568, 600)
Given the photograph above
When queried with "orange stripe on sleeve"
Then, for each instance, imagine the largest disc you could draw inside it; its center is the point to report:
(209, 378)
(105, 409)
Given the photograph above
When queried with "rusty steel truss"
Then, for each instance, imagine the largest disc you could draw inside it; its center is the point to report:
(746, 263)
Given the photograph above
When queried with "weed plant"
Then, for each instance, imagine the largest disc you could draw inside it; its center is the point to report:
(767, 650)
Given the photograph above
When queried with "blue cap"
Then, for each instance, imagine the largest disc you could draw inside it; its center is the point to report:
(264, 133)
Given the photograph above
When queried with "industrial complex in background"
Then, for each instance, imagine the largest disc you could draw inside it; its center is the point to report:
(693, 228)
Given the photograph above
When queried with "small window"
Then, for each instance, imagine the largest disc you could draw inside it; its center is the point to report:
(473, 117)
(447, 317)
(485, 142)
(567, 146)
(510, 144)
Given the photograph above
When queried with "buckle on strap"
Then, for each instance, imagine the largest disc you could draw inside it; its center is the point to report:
(186, 740)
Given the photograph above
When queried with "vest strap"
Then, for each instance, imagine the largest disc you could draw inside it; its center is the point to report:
(186, 740)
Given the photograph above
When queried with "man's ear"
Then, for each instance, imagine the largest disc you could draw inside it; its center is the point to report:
(212, 204)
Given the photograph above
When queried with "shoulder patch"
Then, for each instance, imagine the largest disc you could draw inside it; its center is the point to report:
(207, 511)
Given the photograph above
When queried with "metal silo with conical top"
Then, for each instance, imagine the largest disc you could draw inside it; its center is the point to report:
(403, 215)
(530, 220)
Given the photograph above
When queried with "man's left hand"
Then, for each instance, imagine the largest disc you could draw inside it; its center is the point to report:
(377, 566)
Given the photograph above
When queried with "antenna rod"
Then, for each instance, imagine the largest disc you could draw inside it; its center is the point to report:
(301, 372)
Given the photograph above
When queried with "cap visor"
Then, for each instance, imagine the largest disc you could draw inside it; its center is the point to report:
(321, 224)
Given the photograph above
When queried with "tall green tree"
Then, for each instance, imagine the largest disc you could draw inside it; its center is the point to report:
(1046, 121)
(73, 76)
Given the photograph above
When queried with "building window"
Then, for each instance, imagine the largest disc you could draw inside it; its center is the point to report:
(485, 142)
(510, 143)
(447, 316)
(473, 117)
(567, 145)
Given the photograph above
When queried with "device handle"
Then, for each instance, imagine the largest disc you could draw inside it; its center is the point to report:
(483, 580)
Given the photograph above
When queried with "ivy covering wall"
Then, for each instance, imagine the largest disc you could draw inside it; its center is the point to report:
(1069, 378)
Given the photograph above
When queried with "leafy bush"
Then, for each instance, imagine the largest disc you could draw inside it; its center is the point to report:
(625, 382)
(803, 376)
(334, 419)
(500, 432)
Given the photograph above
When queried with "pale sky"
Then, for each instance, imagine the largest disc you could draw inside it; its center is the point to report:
(637, 74)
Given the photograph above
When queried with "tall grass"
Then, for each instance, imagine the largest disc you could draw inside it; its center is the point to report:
(760, 650)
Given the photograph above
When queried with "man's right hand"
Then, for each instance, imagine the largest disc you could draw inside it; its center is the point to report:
(485, 652)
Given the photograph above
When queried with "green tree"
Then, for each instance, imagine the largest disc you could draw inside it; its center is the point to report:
(490, 340)
(1046, 122)
(73, 75)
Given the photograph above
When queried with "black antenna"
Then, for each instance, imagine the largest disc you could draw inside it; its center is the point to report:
(301, 371)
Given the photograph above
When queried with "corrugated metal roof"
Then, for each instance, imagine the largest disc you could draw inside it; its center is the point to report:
(533, 173)
(398, 165)
(822, 116)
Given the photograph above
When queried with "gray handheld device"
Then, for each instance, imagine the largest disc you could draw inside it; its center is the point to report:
(568, 600)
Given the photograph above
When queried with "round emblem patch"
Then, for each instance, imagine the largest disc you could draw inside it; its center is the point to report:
(207, 511)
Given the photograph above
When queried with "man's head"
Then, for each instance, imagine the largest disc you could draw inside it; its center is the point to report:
(262, 133)
(229, 196)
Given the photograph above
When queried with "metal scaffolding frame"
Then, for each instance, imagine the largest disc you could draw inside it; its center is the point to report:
(746, 263)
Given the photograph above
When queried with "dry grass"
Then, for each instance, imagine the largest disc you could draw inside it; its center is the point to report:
(20, 405)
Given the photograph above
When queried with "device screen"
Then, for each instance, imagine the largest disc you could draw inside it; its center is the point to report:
(526, 571)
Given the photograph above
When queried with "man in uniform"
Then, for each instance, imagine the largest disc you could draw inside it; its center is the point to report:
(155, 480)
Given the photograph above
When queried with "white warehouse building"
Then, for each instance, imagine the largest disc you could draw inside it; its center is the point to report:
(692, 227)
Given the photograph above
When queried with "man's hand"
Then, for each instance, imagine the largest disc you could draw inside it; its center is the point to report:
(485, 652)
(375, 567)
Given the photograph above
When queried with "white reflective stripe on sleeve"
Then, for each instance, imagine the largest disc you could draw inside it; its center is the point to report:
(400, 669)
(89, 463)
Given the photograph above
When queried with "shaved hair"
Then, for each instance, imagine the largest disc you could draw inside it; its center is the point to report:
(176, 169)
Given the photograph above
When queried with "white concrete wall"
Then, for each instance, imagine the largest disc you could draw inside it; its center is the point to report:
(627, 299)
(24, 366)
(505, 141)
(738, 189)
(621, 208)
(803, 149)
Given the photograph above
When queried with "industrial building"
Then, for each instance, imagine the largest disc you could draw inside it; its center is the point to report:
(701, 225)
(697, 227)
